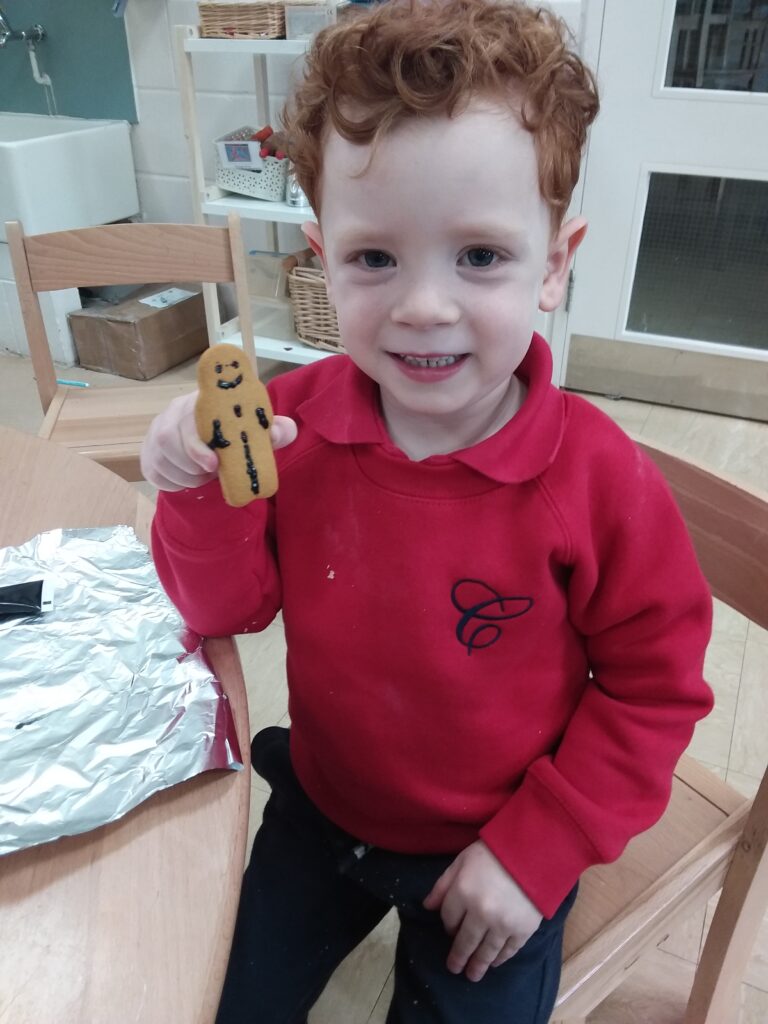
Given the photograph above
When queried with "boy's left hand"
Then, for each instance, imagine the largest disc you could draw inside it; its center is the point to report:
(485, 910)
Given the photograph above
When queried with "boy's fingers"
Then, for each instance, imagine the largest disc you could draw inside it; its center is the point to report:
(433, 900)
(199, 454)
(195, 450)
(484, 957)
(467, 940)
(283, 431)
(506, 952)
(174, 477)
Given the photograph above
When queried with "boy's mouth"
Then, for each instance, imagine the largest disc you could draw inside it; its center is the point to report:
(430, 361)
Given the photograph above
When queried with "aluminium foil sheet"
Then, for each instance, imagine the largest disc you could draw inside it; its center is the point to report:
(102, 701)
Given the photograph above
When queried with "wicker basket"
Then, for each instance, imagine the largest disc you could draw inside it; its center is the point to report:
(313, 314)
(260, 19)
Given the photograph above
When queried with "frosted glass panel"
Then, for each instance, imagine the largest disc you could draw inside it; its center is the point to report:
(719, 44)
(702, 267)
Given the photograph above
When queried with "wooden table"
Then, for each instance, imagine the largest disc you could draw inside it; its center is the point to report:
(133, 921)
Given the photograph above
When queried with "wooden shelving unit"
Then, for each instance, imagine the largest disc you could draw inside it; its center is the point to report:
(211, 201)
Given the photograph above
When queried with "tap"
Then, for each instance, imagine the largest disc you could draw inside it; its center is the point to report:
(32, 35)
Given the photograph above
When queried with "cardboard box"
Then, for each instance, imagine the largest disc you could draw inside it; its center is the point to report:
(158, 327)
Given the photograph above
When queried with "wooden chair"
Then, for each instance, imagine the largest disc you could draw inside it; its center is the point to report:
(710, 837)
(108, 424)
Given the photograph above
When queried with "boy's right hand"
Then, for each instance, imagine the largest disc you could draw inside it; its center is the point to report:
(174, 458)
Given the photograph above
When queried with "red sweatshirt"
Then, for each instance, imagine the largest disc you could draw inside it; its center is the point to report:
(504, 642)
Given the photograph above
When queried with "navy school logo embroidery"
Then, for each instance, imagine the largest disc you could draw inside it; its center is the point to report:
(482, 608)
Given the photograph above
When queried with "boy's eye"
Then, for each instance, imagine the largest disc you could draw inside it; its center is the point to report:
(375, 259)
(480, 256)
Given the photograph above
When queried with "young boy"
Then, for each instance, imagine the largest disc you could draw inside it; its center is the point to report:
(494, 617)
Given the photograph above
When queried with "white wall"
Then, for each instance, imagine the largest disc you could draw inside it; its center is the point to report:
(569, 10)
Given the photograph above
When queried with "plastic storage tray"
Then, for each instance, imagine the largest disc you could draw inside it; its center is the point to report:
(268, 183)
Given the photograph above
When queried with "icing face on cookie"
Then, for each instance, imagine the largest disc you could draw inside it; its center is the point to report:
(225, 383)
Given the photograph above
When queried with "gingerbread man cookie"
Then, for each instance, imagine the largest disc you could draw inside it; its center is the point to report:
(233, 415)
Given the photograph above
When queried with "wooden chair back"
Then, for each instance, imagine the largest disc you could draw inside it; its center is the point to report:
(111, 431)
(710, 837)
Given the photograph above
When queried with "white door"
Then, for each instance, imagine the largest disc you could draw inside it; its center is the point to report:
(670, 296)
(553, 325)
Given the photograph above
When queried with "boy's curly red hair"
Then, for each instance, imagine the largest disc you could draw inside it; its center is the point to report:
(410, 58)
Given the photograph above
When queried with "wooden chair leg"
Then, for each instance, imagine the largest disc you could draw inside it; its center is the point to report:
(736, 922)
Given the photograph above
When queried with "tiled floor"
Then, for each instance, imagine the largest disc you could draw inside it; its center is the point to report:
(733, 741)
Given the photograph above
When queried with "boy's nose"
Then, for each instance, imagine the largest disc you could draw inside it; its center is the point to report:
(423, 304)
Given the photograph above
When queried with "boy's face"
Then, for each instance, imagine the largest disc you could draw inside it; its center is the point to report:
(437, 258)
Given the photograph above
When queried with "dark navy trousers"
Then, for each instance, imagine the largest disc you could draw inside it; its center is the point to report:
(312, 893)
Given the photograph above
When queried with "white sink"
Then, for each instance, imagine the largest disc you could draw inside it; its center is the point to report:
(58, 173)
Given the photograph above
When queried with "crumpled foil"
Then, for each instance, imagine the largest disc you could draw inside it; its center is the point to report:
(101, 704)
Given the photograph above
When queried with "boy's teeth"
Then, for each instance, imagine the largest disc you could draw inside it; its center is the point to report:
(441, 361)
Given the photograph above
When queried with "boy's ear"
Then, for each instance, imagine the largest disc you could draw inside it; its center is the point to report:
(561, 252)
(314, 236)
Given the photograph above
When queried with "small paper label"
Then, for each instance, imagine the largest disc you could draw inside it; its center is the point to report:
(46, 597)
(238, 152)
(167, 298)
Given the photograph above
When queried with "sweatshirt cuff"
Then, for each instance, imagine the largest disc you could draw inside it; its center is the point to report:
(199, 518)
(539, 844)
